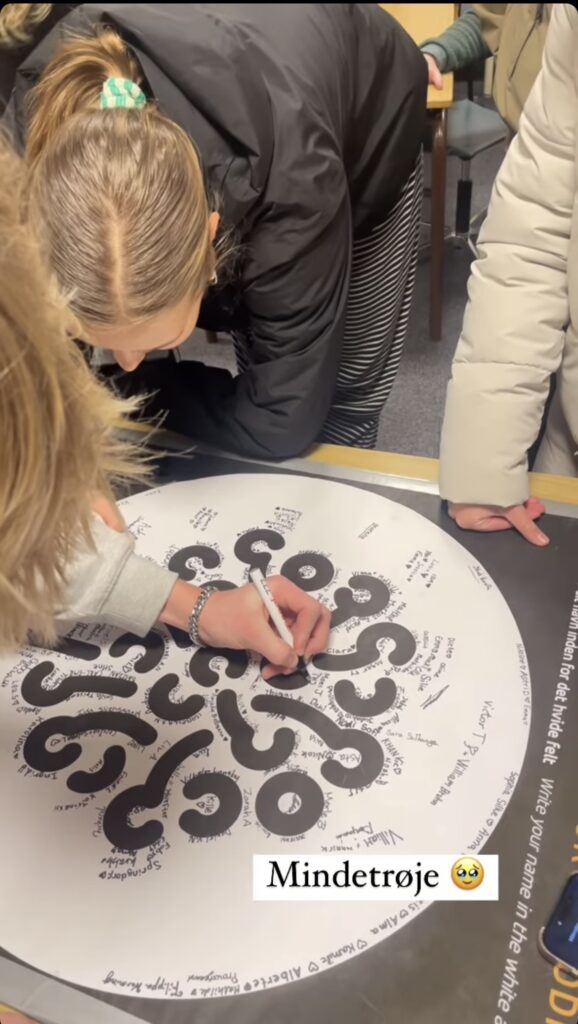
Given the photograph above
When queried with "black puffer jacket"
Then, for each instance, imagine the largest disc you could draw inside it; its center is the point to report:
(309, 119)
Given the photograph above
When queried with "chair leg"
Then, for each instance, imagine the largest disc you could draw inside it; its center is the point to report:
(438, 217)
(464, 200)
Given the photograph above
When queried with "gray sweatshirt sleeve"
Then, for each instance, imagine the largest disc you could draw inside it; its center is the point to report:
(115, 586)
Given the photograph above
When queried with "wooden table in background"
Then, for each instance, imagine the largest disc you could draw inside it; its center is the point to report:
(558, 489)
(421, 22)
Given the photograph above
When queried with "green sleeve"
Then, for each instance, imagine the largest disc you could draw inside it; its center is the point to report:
(461, 44)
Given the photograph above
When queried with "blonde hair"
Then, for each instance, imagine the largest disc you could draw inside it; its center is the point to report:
(118, 195)
(58, 441)
(18, 22)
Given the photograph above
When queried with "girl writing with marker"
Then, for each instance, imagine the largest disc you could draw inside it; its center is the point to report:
(65, 554)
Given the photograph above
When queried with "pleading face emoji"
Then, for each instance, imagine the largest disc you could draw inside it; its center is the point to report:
(467, 873)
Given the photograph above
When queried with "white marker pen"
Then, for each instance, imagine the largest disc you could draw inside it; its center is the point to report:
(277, 619)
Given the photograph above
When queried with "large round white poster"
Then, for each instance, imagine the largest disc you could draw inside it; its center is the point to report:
(138, 778)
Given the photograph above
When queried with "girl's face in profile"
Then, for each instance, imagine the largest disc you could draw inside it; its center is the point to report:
(130, 343)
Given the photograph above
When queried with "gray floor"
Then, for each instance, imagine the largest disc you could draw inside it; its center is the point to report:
(412, 418)
(411, 421)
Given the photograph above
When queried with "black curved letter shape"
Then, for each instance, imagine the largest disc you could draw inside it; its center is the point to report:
(162, 706)
(346, 607)
(113, 762)
(34, 693)
(283, 823)
(380, 701)
(77, 648)
(294, 681)
(242, 735)
(204, 675)
(367, 651)
(245, 552)
(116, 821)
(42, 760)
(203, 826)
(179, 562)
(153, 644)
(368, 748)
(322, 575)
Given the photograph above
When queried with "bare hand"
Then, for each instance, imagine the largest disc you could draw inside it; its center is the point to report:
(434, 75)
(108, 512)
(238, 619)
(490, 518)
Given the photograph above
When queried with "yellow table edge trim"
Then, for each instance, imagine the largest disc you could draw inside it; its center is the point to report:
(416, 467)
(15, 1013)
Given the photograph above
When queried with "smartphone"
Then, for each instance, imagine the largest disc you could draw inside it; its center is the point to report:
(558, 940)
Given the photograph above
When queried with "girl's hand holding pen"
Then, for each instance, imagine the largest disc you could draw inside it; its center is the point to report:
(238, 619)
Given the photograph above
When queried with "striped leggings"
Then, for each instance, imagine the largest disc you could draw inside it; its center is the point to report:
(380, 293)
(378, 305)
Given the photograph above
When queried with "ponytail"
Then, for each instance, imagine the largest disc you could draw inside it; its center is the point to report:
(116, 195)
(72, 83)
(18, 22)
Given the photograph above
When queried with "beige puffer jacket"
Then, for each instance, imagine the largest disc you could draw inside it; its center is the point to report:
(515, 34)
(521, 321)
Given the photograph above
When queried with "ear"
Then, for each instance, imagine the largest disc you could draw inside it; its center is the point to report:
(214, 221)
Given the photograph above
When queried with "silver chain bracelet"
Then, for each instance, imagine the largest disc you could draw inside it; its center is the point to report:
(193, 624)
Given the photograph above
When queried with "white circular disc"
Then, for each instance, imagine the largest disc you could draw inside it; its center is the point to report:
(158, 901)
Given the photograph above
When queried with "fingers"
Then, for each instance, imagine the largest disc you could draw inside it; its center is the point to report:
(492, 524)
(310, 618)
(239, 619)
(304, 624)
(311, 629)
(316, 644)
(523, 522)
(310, 623)
(535, 507)
(273, 648)
(434, 76)
(478, 517)
(319, 638)
(288, 596)
(490, 519)
(270, 671)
